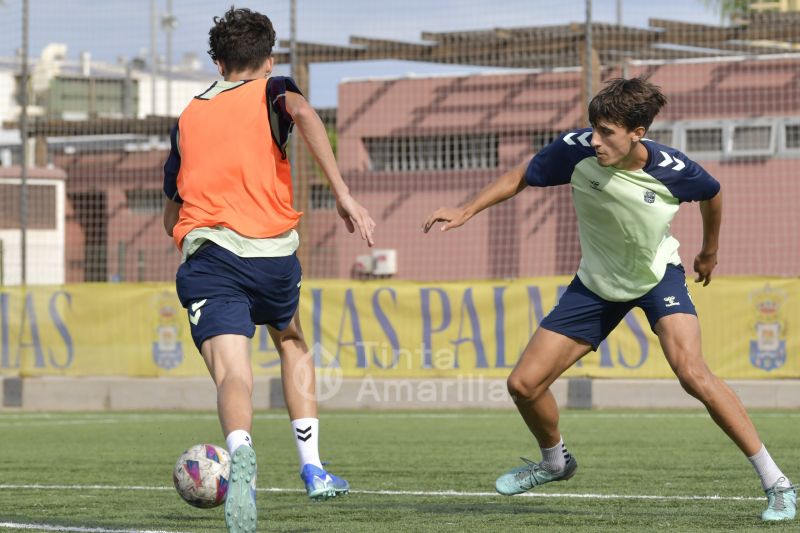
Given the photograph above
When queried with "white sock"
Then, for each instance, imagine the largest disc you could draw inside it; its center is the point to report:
(555, 459)
(306, 436)
(236, 438)
(767, 470)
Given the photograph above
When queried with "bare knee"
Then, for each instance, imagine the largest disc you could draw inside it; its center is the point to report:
(290, 339)
(524, 388)
(697, 380)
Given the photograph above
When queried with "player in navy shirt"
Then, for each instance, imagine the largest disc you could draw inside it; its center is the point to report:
(626, 190)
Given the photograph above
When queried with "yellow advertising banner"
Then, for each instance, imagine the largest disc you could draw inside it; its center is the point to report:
(389, 329)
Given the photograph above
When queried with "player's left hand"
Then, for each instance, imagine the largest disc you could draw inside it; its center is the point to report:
(703, 265)
(355, 216)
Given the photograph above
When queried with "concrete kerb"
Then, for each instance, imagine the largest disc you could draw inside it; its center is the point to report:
(118, 393)
(11, 391)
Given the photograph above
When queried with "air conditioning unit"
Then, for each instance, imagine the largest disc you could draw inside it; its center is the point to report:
(384, 262)
(364, 264)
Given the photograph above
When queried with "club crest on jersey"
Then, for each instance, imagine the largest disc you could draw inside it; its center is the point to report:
(768, 349)
(649, 196)
(595, 185)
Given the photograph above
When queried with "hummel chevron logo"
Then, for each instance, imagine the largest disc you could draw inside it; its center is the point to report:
(303, 434)
(581, 138)
(668, 160)
(194, 314)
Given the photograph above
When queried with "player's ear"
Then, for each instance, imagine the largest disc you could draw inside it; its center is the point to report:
(638, 133)
(268, 66)
(221, 67)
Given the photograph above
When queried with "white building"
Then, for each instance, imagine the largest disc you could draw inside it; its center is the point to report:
(72, 90)
(45, 227)
(53, 69)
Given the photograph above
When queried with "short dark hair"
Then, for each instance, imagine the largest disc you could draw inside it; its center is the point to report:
(627, 102)
(242, 39)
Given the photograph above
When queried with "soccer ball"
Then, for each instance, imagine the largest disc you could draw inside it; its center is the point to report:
(201, 475)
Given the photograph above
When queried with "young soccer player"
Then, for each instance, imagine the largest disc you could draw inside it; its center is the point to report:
(229, 210)
(626, 189)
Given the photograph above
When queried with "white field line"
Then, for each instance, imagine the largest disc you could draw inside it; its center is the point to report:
(433, 493)
(49, 527)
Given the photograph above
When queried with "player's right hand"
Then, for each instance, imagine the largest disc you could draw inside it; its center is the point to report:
(704, 263)
(355, 215)
(452, 217)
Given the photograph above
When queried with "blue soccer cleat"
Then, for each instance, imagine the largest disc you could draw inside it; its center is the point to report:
(240, 503)
(321, 485)
(524, 478)
(782, 503)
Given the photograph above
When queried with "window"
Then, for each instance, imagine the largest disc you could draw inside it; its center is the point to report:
(543, 138)
(41, 206)
(792, 137)
(446, 152)
(145, 201)
(321, 197)
(752, 138)
(661, 136)
(704, 139)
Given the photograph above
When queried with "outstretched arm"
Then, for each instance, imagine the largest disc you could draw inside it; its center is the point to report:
(503, 188)
(313, 131)
(706, 260)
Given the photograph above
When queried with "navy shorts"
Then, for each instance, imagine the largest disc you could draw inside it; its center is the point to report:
(581, 314)
(224, 293)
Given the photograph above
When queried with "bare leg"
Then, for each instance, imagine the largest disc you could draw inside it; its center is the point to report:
(546, 357)
(679, 335)
(228, 360)
(297, 370)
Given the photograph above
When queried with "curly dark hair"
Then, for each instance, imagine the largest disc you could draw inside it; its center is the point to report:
(628, 102)
(242, 39)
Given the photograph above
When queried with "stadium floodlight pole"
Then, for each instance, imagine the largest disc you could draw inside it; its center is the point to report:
(23, 134)
(588, 43)
(169, 23)
(153, 56)
(293, 74)
(619, 12)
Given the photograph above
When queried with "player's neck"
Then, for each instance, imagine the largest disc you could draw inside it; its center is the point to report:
(635, 160)
(245, 75)
(240, 76)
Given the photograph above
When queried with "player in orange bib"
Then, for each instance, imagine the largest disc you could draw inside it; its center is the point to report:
(229, 209)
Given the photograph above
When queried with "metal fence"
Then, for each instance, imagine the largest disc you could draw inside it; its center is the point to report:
(425, 103)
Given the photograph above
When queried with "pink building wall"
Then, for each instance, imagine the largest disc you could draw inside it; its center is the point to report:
(535, 233)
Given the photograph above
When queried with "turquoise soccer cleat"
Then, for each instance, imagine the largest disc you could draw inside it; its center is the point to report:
(321, 485)
(524, 478)
(782, 503)
(240, 503)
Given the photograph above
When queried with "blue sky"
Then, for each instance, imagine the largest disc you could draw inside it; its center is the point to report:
(121, 28)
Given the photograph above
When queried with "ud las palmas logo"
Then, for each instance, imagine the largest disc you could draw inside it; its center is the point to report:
(768, 349)
(167, 347)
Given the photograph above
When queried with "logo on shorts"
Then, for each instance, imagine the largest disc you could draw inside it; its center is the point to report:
(649, 196)
(671, 301)
(768, 349)
(194, 314)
